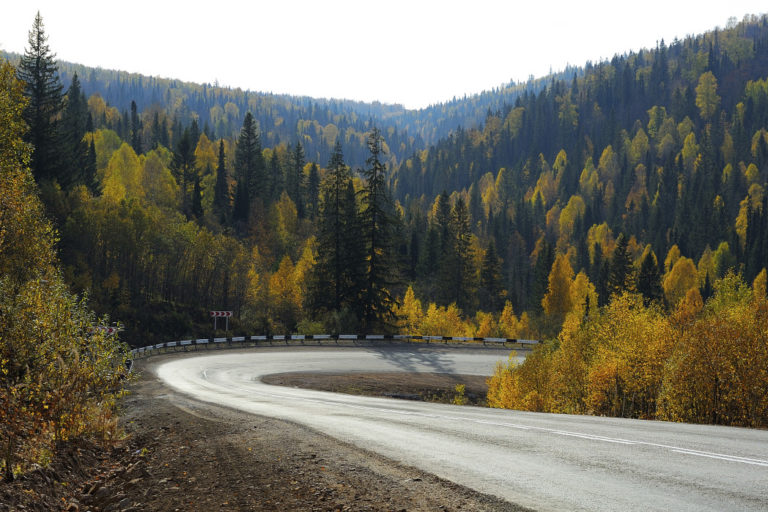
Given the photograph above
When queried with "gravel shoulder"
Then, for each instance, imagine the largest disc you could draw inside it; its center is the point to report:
(181, 454)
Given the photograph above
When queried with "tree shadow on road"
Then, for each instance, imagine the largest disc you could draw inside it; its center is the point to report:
(415, 359)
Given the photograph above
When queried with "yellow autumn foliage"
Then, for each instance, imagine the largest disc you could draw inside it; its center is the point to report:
(702, 363)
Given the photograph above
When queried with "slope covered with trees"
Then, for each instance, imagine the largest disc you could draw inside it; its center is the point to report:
(58, 376)
(631, 183)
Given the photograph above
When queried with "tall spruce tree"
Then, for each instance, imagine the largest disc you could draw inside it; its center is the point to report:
(249, 168)
(353, 251)
(89, 172)
(197, 199)
(184, 165)
(221, 199)
(74, 120)
(378, 222)
(136, 127)
(295, 179)
(335, 284)
(621, 275)
(43, 91)
(456, 269)
(490, 279)
(649, 279)
(313, 191)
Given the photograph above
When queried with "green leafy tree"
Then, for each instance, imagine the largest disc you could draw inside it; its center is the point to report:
(707, 98)
(57, 378)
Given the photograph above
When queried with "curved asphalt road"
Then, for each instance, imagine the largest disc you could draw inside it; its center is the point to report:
(541, 461)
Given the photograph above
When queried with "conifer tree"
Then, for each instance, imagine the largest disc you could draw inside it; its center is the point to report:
(649, 278)
(313, 190)
(457, 271)
(490, 279)
(378, 222)
(197, 199)
(541, 269)
(621, 276)
(89, 173)
(43, 91)
(249, 168)
(295, 182)
(221, 199)
(136, 130)
(184, 166)
(72, 130)
(276, 179)
(353, 251)
(335, 280)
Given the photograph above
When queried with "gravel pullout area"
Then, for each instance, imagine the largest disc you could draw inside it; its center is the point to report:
(185, 455)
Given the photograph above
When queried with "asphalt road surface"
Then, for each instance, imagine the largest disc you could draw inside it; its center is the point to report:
(541, 461)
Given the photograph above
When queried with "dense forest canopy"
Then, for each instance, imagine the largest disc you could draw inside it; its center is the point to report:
(528, 211)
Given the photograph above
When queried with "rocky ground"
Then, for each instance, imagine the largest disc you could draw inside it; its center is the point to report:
(183, 455)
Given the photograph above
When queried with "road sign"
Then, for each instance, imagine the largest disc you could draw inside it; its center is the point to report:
(217, 314)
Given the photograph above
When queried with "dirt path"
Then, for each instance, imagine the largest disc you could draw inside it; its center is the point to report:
(184, 455)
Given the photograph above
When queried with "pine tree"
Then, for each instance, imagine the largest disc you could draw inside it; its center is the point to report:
(295, 182)
(89, 172)
(184, 166)
(621, 274)
(457, 271)
(136, 130)
(541, 269)
(276, 179)
(39, 72)
(197, 199)
(313, 190)
(353, 257)
(249, 168)
(649, 279)
(490, 279)
(221, 199)
(336, 278)
(74, 120)
(443, 222)
(377, 222)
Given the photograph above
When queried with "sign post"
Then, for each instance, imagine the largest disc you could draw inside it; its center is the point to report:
(217, 314)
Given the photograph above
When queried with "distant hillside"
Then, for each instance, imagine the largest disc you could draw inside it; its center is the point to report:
(284, 119)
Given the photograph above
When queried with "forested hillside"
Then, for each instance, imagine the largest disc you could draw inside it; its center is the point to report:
(634, 186)
(665, 146)
(282, 119)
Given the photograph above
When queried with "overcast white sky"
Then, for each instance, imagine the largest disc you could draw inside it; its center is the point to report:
(415, 52)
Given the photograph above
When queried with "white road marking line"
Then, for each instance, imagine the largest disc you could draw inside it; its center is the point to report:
(730, 458)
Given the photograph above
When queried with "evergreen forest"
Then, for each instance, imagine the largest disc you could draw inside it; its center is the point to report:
(616, 211)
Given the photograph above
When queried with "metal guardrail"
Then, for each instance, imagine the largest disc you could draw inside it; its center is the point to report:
(286, 339)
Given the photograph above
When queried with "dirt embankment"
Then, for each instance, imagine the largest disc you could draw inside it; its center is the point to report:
(425, 387)
(184, 455)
